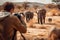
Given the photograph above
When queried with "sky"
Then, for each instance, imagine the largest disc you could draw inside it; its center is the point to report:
(39, 1)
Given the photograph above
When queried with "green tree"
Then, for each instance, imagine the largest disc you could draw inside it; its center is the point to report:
(55, 0)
